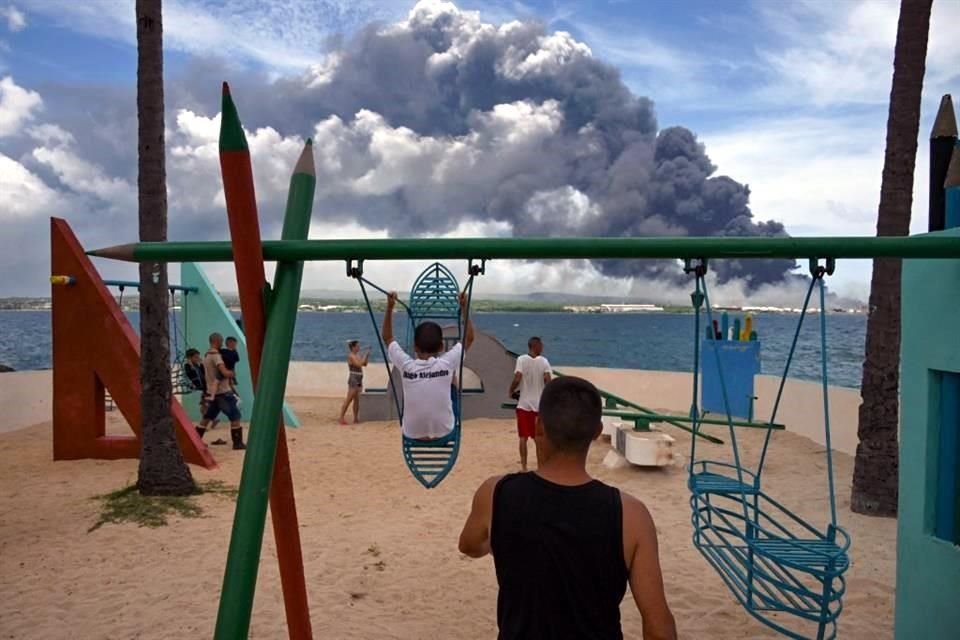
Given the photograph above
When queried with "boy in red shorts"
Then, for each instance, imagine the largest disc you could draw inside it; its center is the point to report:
(530, 376)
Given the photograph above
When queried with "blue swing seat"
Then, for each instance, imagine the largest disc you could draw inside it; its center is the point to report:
(772, 561)
(431, 460)
(714, 477)
(435, 296)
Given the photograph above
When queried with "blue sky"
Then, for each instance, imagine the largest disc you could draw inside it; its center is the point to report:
(788, 97)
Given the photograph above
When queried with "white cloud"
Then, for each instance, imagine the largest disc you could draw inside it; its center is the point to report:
(324, 71)
(22, 194)
(16, 21)
(501, 276)
(842, 53)
(17, 106)
(819, 176)
(194, 184)
(289, 35)
(555, 50)
(50, 135)
(820, 172)
(367, 156)
(565, 209)
(624, 47)
(86, 178)
(364, 157)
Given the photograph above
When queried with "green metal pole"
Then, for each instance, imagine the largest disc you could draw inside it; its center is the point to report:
(548, 249)
(653, 417)
(613, 400)
(243, 558)
(135, 284)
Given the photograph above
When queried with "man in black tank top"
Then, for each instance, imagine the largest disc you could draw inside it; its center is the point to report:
(565, 545)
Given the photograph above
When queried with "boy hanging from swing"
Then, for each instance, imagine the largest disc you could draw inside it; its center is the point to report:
(428, 379)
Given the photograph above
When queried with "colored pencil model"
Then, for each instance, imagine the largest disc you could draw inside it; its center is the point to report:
(239, 584)
(951, 187)
(943, 139)
(240, 195)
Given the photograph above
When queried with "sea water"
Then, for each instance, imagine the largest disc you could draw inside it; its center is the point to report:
(661, 341)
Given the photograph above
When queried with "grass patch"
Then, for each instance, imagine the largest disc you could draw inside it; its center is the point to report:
(127, 505)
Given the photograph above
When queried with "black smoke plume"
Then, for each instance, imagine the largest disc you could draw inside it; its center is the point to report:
(439, 71)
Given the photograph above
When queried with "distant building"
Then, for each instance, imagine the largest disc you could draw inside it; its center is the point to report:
(613, 308)
(629, 308)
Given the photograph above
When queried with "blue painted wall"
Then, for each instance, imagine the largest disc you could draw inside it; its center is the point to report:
(928, 569)
(740, 362)
(205, 314)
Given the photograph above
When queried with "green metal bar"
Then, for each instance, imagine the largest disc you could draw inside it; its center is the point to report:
(923, 246)
(617, 400)
(243, 558)
(673, 420)
(633, 415)
(133, 284)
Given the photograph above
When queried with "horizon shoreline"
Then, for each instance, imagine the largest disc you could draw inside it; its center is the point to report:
(27, 395)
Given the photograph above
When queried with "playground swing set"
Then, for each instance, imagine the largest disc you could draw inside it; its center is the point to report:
(178, 357)
(780, 567)
(783, 570)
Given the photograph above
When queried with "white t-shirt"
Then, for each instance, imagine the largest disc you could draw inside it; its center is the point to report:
(531, 383)
(427, 407)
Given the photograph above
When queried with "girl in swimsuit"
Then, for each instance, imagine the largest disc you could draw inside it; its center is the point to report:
(355, 362)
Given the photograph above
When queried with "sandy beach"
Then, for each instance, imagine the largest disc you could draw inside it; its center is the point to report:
(380, 552)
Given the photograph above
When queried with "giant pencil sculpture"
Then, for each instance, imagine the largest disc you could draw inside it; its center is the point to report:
(239, 192)
(943, 138)
(951, 188)
(240, 577)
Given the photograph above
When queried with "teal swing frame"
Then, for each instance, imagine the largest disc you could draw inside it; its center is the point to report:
(434, 296)
(772, 560)
(180, 384)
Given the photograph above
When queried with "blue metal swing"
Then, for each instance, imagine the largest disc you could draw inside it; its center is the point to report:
(434, 296)
(785, 572)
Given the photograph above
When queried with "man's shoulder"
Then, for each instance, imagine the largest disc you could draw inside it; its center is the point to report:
(486, 489)
(635, 511)
(452, 355)
(511, 479)
(395, 346)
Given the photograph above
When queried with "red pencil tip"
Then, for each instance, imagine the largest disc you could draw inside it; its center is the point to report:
(226, 88)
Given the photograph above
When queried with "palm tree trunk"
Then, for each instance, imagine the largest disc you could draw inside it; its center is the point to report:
(875, 467)
(162, 469)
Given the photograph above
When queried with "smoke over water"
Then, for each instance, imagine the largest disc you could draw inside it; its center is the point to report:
(437, 124)
(442, 119)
